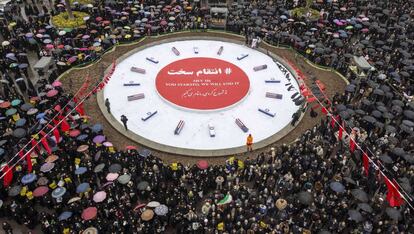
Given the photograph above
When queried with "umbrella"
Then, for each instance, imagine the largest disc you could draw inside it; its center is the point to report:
(89, 213)
(398, 151)
(19, 132)
(115, 168)
(32, 111)
(147, 215)
(51, 158)
(16, 102)
(46, 167)
(80, 170)
(365, 207)
(161, 210)
(337, 187)
(144, 153)
(281, 203)
(82, 187)
(355, 215)
(99, 168)
(29, 178)
(202, 164)
(11, 111)
(97, 128)
(360, 195)
(74, 199)
(305, 198)
(409, 114)
(99, 139)
(20, 122)
(369, 119)
(52, 93)
(90, 230)
(142, 185)
(15, 190)
(65, 215)
(386, 159)
(123, 179)
(153, 204)
(42, 181)
(40, 191)
(112, 176)
(82, 148)
(393, 213)
(58, 192)
(349, 180)
(99, 196)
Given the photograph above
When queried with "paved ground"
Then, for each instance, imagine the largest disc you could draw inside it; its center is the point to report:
(332, 82)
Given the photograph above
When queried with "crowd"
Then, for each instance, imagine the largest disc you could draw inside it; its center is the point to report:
(74, 179)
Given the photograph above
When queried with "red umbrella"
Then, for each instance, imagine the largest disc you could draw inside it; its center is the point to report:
(52, 93)
(89, 213)
(202, 164)
(130, 147)
(40, 191)
(98, 19)
(74, 133)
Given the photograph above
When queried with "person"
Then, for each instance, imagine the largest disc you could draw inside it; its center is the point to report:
(249, 142)
(295, 118)
(108, 105)
(124, 120)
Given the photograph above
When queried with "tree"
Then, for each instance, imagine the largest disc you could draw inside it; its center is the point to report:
(69, 9)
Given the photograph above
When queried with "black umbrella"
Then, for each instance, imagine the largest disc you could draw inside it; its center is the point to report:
(409, 123)
(369, 119)
(355, 215)
(378, 92)
(349, 180)
(365, 207)
(393, 213)
(305, 198)
(409, 158)
(376, 114)
(382, 108)
(340, 107)
(350, 88)
(398, 151)
(115, 168)
(388, 115)
(409, 114)
(386, 159)
(19, 133)
(360, 112)
(390, 129)
(360, 195)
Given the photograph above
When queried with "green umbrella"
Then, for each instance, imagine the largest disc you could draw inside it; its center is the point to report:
(14, 65)
(68, 30)
(349, 27)
(11, 111)
(16, 102)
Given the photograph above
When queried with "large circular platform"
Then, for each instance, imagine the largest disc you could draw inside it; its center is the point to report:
(201, 97)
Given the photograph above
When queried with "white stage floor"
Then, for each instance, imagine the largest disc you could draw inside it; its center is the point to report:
(195, 133)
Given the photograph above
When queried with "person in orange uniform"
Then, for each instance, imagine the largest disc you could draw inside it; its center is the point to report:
(249, 142)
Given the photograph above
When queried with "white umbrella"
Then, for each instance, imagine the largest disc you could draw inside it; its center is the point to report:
(153, 204)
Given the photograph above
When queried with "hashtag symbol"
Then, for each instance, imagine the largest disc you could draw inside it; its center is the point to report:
(227, 71)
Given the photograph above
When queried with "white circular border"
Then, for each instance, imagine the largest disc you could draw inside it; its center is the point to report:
(195, 134)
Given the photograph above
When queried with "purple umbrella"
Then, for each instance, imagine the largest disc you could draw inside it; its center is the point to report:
(99, 139)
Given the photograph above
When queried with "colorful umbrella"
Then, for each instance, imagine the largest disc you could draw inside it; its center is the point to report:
(40, 191)
(46, 167)
(89, 213)
(112, 176)
(202, 164)
(99, 196)
(29, 178)
(58, 192)
(65, 215)
(82, 187)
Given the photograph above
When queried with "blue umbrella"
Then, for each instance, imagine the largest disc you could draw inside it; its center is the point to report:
(144, 153)
(20, 122)
(65, 215)
(97, 128)
(29, 178)
(80, 170)
(40, 115)
(82, 188)
(58, 192)
(82, 137)
(337, 187)
(1, 151)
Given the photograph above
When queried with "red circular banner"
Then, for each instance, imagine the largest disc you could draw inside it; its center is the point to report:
(202, 83)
